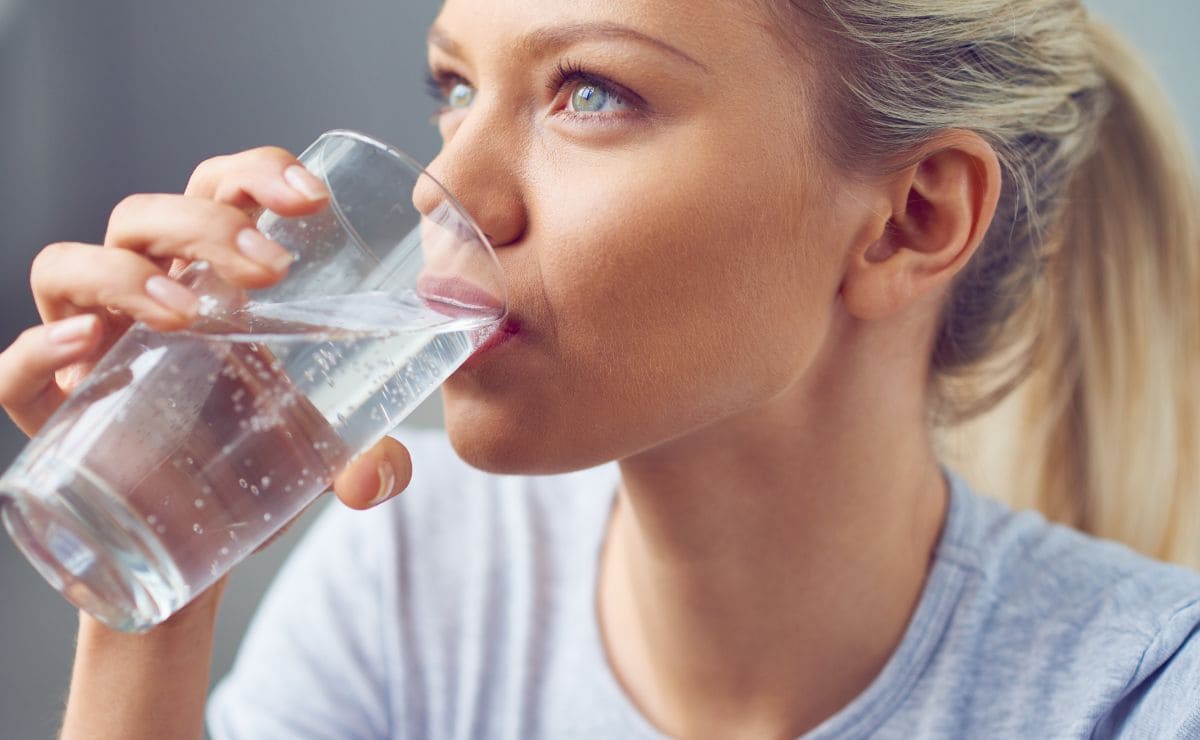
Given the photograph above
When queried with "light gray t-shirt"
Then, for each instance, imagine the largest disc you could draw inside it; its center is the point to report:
(466, 609)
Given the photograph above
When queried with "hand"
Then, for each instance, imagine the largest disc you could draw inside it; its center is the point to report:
(88, 295)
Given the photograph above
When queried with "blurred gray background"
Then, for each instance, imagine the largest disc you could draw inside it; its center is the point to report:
(102, 99)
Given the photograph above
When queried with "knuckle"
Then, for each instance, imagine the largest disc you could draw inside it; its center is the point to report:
(207, 169)
(131, 202)
(26, 337)
(271, 155)
(43, 263)
(127, 207)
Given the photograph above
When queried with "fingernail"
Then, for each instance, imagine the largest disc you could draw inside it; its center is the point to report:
(262, 250)
(387, 480)
(173, 295)
(305, 183)
(74, 329)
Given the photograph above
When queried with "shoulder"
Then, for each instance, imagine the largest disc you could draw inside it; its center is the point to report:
(1078, 625)
(1031, 569)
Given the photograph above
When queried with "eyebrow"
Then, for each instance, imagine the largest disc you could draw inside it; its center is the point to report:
(560, 36)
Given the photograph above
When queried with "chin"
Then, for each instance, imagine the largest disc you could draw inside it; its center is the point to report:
(496, 441)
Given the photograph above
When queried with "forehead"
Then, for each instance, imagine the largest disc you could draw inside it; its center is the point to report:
(702, 29)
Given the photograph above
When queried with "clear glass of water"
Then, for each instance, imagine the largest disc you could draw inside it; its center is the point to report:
(183, 452)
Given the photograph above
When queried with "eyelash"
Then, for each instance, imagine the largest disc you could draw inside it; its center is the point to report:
(438, 83)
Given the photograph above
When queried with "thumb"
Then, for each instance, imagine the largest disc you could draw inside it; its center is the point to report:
(374, 476)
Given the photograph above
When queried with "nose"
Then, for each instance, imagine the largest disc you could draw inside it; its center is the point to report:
(477, 165)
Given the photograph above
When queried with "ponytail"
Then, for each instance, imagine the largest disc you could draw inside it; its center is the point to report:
(1104, 433)
(1065, 374)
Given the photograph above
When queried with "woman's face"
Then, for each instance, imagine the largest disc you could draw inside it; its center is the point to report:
(648, 173)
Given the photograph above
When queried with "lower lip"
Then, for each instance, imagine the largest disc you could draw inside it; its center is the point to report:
(500, 337)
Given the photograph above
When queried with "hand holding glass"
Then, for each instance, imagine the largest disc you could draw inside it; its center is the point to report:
(183, 452)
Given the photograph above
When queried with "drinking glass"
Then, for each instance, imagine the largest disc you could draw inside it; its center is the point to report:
(182, 452)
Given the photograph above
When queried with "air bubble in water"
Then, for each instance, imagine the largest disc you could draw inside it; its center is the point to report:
(208, 305)
(206, 490)
(197, 528)
(254, 489)
(242, 482)
(199, 503)
(266, 481)
(224, 550)
(151, 519)
(266, 517)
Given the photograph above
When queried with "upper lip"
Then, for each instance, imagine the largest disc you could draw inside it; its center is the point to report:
(452, 291)
(456, 290)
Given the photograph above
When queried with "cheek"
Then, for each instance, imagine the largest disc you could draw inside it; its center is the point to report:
(687, 279)
(680, 291)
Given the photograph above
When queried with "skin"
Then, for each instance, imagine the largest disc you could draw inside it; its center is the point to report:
(699, 293)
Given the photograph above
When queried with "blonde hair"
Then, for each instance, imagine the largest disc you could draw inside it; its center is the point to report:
(1066, 372)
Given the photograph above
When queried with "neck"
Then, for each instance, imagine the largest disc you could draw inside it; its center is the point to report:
(759, 573)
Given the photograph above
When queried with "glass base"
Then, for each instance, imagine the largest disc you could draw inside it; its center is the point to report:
(90, 551)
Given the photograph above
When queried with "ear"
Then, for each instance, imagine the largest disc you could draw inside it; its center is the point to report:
(938, 211)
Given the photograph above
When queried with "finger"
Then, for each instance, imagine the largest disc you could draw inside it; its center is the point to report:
(268, 176)
(375, 476)
(168, 227)
(70, 278)
(28, 391)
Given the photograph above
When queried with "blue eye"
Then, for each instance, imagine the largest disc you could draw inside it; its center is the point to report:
(460, 96)
(592, 97)
(449, 91)
(589, 98)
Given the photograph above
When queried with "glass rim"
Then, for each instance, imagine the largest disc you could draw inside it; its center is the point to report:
(413, 164)
(416, 167)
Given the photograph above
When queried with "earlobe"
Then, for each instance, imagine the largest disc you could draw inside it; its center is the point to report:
(940, 208)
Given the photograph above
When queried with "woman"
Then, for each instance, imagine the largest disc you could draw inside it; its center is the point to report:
(759, 254)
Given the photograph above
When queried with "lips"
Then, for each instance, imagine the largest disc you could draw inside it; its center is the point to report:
(454, 296)
(490, 338)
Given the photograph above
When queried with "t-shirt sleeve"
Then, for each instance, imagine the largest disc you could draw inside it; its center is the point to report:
(310, 665)
(1164, 697)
